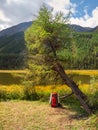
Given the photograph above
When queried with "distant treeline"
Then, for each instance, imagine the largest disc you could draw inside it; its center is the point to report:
(12, 49)
(82, 53)
(12, 61)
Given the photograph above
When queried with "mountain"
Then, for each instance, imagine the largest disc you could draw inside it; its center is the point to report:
(12, 39)
(15, 29)
(12, 44)
(12, 47)
(78, 28)
(95, 29)
(23, 26)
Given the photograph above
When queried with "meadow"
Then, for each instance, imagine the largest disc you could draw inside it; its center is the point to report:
(17, 112)
(36, 115)
(11, 86)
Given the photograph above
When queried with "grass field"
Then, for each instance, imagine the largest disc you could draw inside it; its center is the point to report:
(35, 115)
(38, 115)
(11, 87)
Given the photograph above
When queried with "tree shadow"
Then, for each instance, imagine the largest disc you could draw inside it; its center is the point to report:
(74, 105)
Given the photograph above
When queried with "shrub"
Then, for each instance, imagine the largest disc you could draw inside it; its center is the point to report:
(3, 95)
(30, 93)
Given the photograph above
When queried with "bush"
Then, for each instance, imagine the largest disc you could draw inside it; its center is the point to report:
(93, 100)
(93, 89)
(3, 95)
(30, 93)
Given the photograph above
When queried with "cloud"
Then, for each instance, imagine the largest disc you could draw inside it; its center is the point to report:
(13, 12)
(3, 17)
(62, 5)
(59, 5)
(18, 11)
(86, 20)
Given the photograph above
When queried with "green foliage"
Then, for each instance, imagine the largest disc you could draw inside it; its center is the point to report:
(82, 53)
(30, 93)
(3, 95)
(93, 96)
(87, 51)
(46, 36)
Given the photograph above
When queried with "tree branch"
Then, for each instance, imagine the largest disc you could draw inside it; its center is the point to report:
(65, 96)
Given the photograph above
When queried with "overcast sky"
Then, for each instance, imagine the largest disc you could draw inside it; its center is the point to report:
(13, 12)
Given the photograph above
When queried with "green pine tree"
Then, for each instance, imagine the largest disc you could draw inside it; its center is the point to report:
(48, 35)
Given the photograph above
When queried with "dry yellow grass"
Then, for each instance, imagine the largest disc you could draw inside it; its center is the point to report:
(13, 71)
(26, 115)
(83, 72)
(80, 72)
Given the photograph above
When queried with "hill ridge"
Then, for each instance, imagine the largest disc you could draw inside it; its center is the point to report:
(23, 26)
(13, 49)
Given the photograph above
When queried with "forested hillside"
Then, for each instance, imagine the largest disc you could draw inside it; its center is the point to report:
(12, 51)
(82, 54)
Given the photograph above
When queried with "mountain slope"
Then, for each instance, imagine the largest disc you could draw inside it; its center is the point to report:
(12, 44)
(95, 29)
(23, 26)
(12, 51)
(15, 29)
(78, 28)
(12, 47)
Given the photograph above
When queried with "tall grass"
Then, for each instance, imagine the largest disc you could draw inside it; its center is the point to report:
(11, 87)
(11, 92)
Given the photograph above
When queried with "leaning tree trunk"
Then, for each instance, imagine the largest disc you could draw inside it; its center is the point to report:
(80, 95)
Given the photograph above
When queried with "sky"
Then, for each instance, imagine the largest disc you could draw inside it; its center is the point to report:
(13, 12)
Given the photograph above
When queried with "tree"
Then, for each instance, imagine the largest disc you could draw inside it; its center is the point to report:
(47, 36)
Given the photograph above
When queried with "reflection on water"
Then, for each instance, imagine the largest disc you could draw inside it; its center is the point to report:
(84, 79)
(8, 79)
